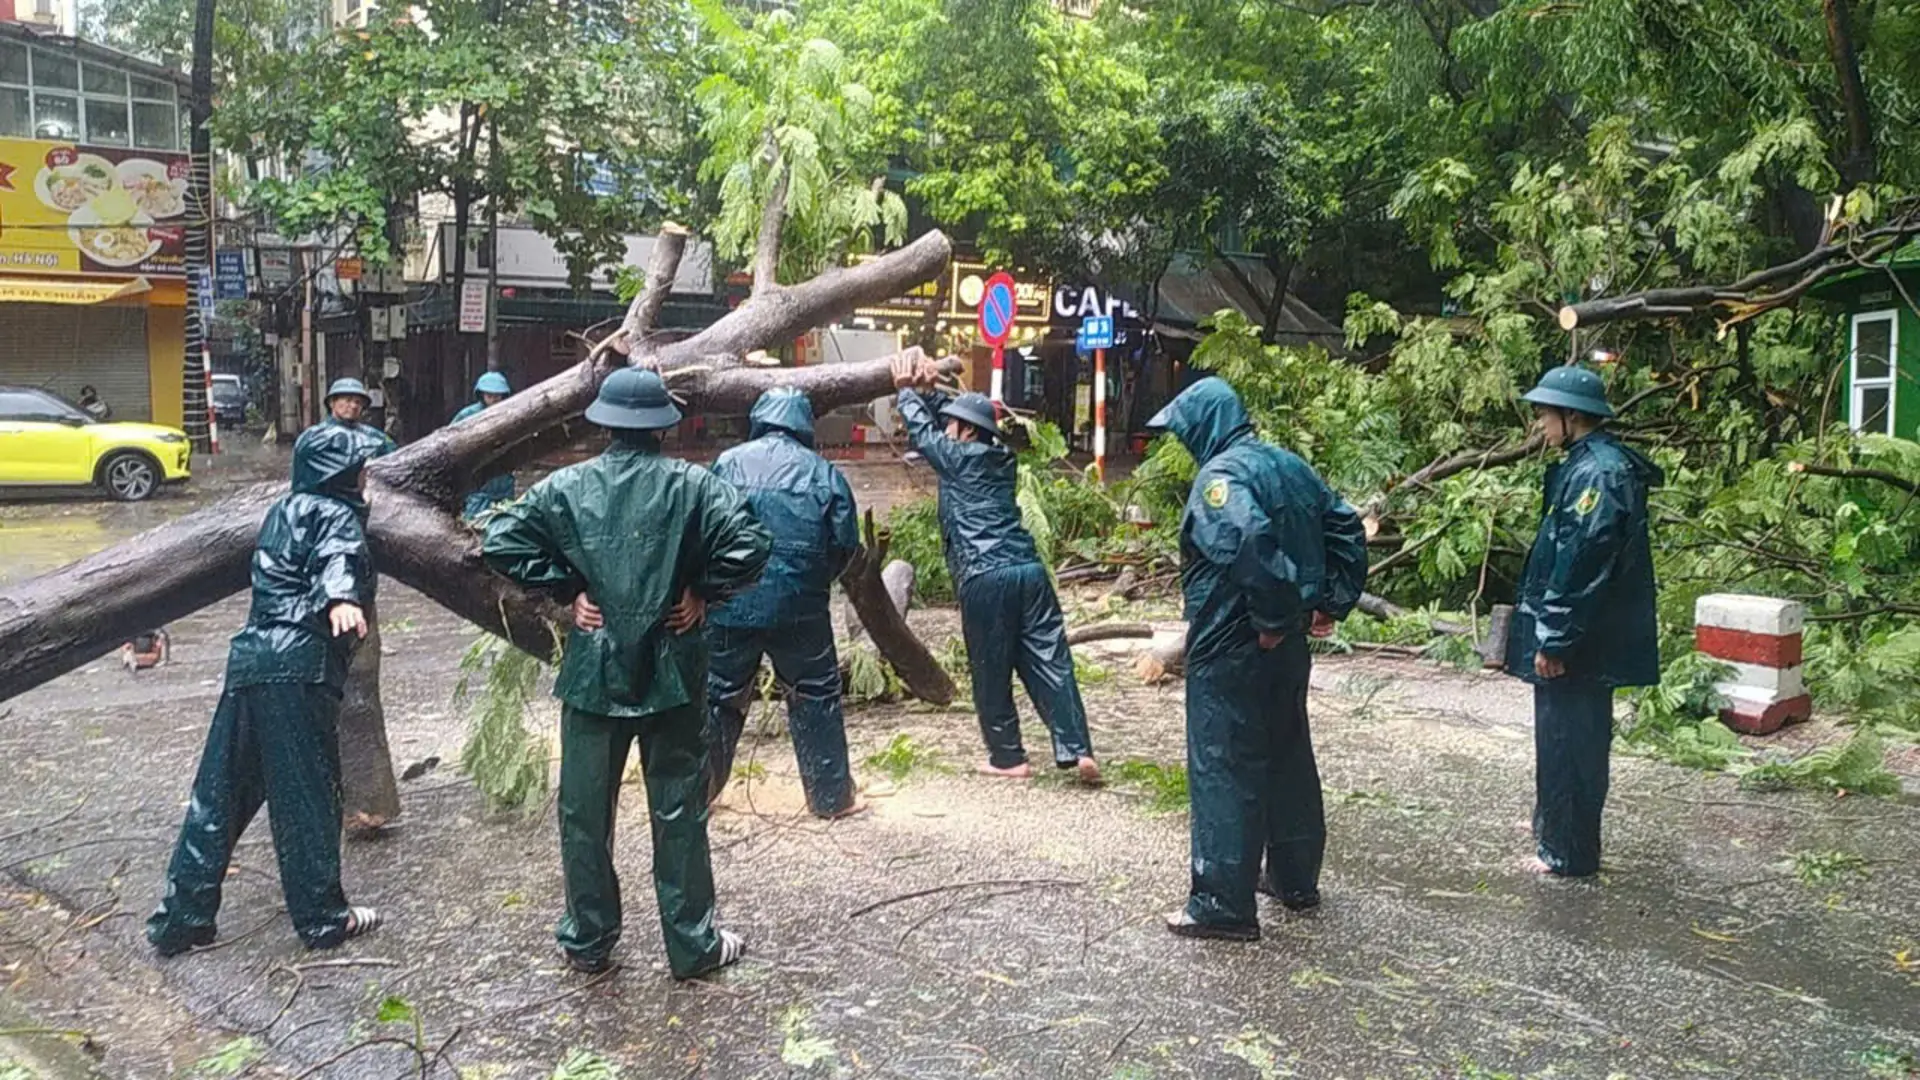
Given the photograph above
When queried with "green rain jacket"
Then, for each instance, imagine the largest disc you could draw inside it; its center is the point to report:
(632, 529)
(311, 554)
(1587, 595)
(980, 525)
(1264, 542)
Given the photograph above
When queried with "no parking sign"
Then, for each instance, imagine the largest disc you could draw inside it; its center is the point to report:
(997, 306)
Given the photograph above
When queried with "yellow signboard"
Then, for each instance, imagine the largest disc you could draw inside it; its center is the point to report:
(44, 291)
(67, 209)
(965, 283)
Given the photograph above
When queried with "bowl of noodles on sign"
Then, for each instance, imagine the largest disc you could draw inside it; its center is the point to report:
(155, 190)
(113, 231)
(68, 185)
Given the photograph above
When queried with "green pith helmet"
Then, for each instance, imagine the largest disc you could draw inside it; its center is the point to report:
(349, 387)
(975, 409)
(634, 400)
(1573, 388)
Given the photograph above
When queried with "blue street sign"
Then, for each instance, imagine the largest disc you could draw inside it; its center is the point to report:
(229, 275)
(203, 292)
(1098, 331)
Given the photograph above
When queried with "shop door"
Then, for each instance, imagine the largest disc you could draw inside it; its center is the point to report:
(63, 347)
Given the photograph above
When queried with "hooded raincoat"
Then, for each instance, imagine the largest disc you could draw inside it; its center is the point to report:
(273, 737)
(493, 489)
(1264, 543)
(632, 529)
(1586, 599)
(1009, 612)
(807, 506)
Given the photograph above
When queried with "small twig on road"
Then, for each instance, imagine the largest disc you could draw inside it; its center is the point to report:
(1115, 1052)
(371, 961)
(299, 984)
(243, 935)
(551, 999)
(95, 842)
(18, 833)
(356, 1048)
(1032, 883)
(62, 1033)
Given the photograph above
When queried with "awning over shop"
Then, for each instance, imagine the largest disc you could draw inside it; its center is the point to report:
(24, 290)
(1192, 290)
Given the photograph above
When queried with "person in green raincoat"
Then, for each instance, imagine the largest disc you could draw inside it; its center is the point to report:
(639, 544)
(1268, 554)
(1583, 622)
(347, 405)
(1009, 612)
(273, 739)
(491, 389)
(807, 505)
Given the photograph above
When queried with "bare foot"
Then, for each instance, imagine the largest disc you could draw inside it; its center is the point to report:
(1089, 771)
(1021, 771)
(1533, 864)
(858, 806)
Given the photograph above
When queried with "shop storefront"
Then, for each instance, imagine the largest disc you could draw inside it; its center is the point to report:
(92, 199)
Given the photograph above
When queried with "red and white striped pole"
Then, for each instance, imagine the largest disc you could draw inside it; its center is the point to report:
(999, 375)
(1100, 414)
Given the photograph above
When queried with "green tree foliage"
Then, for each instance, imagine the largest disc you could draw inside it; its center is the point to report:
(783, 121)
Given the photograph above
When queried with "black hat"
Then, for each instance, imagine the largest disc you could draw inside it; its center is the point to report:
(633, 399)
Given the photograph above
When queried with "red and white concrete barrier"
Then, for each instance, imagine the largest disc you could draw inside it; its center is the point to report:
(1760, 638)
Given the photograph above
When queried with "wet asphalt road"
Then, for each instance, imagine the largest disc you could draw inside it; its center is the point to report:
(1035, 951)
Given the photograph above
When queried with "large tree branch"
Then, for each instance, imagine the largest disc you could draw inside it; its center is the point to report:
(1861, 165)
(1910, 486)
(1753, 294)
(663, 265)
(773, 220)
(53, 624)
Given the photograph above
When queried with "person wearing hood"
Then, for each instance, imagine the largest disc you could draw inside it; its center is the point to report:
(808, 507)
(1009, 612)
(1268, 554)
(273, 739)
(347, 404)
(491, 389)
(639, 544)
(1583, 622)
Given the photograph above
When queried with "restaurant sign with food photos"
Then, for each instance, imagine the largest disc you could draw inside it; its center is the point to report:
(67, 209)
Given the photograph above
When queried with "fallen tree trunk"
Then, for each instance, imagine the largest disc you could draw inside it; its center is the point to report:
(1109, 632)
(886, 621)
(54, 623)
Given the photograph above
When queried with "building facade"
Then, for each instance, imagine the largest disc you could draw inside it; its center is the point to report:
(92, 203)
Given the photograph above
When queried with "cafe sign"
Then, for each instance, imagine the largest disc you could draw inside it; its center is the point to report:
(69, 209)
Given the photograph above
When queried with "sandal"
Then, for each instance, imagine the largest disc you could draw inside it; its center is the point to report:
(361, 921)
(1181, 924)
(732, 948)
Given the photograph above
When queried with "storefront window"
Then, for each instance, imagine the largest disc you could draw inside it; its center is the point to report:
(13, 63)
(56, 116)
(153, 89)
(154, 126)
(16, 113)
(103, 80)
(53, 71)
(107, 121)
(1875, 343)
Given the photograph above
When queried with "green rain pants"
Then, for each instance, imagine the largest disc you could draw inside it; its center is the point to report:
(673, 757)
(1011, 621)
(273, 743)
(803, 657)
(1253, 781)
(1572, 735)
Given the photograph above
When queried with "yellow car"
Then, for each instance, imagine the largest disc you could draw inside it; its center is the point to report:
(47, 441)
